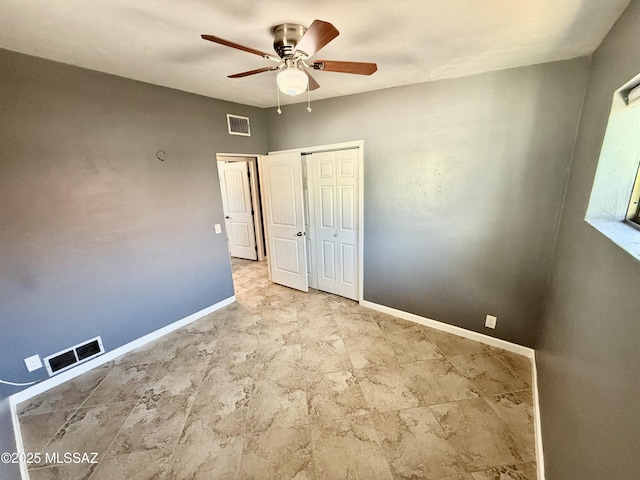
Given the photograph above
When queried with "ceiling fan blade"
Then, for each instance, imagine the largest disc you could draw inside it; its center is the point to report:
(252, 72)
(359, 68)
(222, 41)
(317, 36)
(313, 85)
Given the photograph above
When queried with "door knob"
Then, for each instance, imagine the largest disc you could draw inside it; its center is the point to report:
(335, 234)
(227, 217)
(299, 234)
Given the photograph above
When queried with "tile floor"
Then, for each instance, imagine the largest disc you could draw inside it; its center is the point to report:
(284, 384)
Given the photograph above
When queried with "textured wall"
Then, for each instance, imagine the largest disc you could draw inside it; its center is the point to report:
(97, 236)
(462, 190)
(588, 348)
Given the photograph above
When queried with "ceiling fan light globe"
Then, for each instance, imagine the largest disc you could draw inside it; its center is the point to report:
(292, 81)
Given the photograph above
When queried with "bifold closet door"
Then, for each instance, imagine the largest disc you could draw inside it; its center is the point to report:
(335, 199)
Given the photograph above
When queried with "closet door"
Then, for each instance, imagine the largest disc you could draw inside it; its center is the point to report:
(309, 223)
(281, 180)
(335, 198)
(348, 217)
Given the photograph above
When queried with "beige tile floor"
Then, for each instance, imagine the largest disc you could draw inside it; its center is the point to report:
(284, 384)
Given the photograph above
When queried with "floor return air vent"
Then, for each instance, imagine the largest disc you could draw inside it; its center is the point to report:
(70, 357)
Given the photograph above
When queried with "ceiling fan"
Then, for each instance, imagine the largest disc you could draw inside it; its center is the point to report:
(294, 45)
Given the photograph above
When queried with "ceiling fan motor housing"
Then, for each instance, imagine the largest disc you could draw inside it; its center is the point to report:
(285, 38)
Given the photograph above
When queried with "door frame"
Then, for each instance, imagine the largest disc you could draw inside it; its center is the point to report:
(254, 182)
(359, 144)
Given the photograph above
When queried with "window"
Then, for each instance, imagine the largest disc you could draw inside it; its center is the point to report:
(633, 212)
(614, 205)
(632, 99)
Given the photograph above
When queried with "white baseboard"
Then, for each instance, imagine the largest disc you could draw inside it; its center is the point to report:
(24, 472)
(486, 339)
(63, 377)
(445, 327)
(537, 422)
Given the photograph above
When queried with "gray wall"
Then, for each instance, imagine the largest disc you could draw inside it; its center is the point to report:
(588, 347)
(97, 236)
(463, 185)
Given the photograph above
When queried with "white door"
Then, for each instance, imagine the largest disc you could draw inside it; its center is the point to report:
(281, 180)
(309, 224)
(335, 198)
(238, 210)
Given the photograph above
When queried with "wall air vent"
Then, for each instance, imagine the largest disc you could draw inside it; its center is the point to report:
(58, 362)
(238, 125)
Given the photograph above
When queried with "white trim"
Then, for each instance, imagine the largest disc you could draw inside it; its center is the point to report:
(24, 470)
(246, 155)
(265, 224)
(445, 327)
(361, 219)
(52, 382)
(319, 148)
(257, 208)
(359, 144)
(537, 421)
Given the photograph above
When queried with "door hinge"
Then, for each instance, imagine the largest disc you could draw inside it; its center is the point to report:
(252, 212)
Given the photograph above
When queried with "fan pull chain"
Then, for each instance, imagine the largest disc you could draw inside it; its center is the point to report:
(279, 110)
(308, 100)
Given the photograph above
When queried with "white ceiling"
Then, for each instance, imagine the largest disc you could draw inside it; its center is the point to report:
(412, 41)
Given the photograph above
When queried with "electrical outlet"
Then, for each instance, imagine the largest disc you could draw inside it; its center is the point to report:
(490, 322)
(33, 363)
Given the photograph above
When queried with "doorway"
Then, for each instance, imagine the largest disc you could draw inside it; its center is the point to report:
(239, 187)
